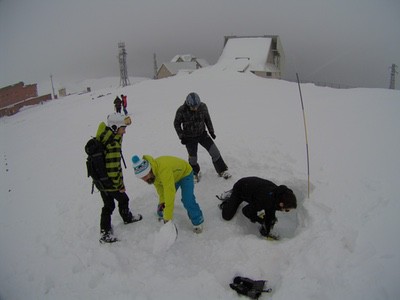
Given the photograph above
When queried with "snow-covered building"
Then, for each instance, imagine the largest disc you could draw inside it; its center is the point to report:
(260, 55)
(181, 63)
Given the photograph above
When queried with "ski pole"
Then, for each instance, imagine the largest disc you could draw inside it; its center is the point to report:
(305, 131)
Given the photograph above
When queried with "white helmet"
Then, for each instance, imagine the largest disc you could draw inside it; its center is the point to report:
(115, 121)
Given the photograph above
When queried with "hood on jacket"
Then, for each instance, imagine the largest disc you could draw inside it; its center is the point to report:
(104, 134)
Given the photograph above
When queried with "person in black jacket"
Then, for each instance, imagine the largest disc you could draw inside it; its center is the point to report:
(190, 123)
(263, 199)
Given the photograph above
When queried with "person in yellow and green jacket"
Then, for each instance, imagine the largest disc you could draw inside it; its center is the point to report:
(168, 174)
(111, 136)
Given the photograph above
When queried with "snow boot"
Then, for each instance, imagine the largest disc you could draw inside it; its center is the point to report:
(225, 174)
(198, 228)
(107, 237)
(133, 219)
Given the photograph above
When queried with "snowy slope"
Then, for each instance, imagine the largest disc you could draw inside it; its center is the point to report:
(341, 243)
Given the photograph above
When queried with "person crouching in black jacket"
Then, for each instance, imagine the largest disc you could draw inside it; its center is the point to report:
(263, 199)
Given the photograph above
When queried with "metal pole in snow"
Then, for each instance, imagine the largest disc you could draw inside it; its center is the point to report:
(305, 130)
(52, 86)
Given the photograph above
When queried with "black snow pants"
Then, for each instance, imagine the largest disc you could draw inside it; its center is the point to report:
(109, 206)
(208, 144)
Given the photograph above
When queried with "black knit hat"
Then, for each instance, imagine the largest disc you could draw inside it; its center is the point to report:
(285, 196)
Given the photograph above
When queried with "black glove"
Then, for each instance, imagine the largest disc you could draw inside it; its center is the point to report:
(213, 135)
(184, 141)
(267, 226)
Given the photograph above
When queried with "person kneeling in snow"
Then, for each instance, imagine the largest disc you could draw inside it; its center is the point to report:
(264, 198)
(168, 173)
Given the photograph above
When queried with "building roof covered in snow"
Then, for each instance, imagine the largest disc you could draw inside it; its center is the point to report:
(179, 63)
(261, 55)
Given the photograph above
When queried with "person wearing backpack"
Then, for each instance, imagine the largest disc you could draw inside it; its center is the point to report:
(111, 137)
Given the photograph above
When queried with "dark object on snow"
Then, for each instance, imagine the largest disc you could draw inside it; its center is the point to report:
(118, 104)
(248, 287)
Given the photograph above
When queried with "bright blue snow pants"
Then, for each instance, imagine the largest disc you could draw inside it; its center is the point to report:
(189, 199)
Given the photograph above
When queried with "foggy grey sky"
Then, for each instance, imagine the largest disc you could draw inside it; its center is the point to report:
(351, 42)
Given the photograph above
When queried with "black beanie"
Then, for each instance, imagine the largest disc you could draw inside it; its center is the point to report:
(286, 196)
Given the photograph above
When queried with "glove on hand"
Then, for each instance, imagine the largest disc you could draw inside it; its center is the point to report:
(273, 237)
(160, 210)
(213, 135)
(183, 141)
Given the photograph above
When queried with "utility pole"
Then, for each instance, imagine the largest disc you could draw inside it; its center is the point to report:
(155, 66)
(393, 73)
(52, 86)
(123, 70)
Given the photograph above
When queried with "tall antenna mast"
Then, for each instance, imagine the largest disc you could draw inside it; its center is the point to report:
(155, 66)
(393, 73)
(123, 70)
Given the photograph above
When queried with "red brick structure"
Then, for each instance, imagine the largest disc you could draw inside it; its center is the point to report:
(13, 97)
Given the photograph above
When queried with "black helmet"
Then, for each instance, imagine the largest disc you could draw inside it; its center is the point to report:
(193, 100)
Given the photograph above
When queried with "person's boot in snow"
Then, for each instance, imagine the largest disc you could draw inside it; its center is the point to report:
(133, 219)
(225, 174)
(128, 217)
(198, 228)
(107, 237)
